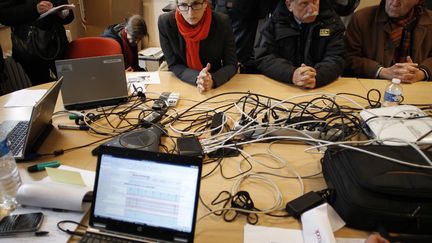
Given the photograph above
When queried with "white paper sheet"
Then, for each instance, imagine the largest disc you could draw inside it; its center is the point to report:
(143, 77)
(52, 195)
(56, 9)
(151, 51)
(262, 234)
(45, 193)
(319, 223)
(25, 97)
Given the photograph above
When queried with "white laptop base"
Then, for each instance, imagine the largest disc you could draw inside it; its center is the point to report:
(397, 125)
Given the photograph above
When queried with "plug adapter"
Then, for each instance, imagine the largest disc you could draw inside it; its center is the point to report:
(217, 123)
(303, 203)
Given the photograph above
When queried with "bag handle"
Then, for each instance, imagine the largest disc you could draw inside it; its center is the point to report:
(38, 53)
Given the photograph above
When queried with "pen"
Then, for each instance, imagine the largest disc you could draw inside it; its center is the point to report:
(73, 127)
(42, 166)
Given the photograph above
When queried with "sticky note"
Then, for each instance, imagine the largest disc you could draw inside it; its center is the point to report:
(65, 176)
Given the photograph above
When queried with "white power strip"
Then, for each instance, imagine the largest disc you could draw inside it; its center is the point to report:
(171, 98)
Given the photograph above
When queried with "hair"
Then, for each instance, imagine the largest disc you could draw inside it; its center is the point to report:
(136, 26)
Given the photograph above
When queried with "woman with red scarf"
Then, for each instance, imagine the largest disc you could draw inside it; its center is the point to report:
(198, 44)
(128, 35)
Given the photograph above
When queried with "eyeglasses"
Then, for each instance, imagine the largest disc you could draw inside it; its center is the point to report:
(194, 6)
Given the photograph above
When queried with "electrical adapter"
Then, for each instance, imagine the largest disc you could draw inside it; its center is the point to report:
(171, 98)
(303, 203)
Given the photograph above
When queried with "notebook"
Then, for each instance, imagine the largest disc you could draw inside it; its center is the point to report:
(25, 136)
(92, 81)
(144, 196)
(396, 124)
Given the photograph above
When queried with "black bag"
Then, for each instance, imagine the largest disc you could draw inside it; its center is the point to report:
(34, 43)
(370, 193)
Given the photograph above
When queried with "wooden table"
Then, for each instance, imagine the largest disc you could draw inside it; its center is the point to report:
(212, 228)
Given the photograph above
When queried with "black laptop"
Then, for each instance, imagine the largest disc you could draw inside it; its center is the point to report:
(142, 196)
(25, 136)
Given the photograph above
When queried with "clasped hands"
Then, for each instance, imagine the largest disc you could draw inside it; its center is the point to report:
(304, 76)
(204, 80)
(407, 72)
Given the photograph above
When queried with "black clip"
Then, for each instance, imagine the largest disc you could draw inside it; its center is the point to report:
(242, 200)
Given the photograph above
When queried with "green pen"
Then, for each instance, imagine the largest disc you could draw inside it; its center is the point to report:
(42, 166)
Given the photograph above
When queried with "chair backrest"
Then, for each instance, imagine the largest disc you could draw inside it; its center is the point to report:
(92, 46)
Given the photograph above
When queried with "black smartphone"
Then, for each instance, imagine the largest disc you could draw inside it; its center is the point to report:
(20, 223)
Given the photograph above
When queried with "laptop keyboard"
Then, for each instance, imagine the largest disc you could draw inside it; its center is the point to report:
(89, 237)
(17, 137)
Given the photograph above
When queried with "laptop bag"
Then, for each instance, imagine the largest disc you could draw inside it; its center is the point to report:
(370, 193)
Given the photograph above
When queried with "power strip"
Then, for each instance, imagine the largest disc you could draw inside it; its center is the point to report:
(171, 98)
(283, 130)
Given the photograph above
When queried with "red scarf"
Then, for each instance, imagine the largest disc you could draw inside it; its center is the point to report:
(193, 35)
(130, 53)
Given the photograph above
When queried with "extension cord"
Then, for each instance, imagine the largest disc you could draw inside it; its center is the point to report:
(277, 131)
(171, 98)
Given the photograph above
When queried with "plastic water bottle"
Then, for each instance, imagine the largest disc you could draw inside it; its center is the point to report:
(393, 93)
(10, 179)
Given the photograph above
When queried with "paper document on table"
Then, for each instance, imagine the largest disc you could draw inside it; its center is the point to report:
(53, 195)
(151, 51)
(139, 80)
(45, 193)
(143, 77)
(56, 9)
(262, 234)
(51, 218)
(25, 98)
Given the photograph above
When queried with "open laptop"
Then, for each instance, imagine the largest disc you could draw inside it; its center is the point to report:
(92, 81)
(396, 124)
(25, 136)
(143, 196)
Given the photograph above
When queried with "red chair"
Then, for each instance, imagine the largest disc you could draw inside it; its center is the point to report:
(91, 47)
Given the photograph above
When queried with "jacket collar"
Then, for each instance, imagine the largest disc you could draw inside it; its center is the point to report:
(383, 18)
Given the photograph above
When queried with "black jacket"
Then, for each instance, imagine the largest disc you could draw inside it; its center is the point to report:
(218, 49)
(15, 12)
(284, 46)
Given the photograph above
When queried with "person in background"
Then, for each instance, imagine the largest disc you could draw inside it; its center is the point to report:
(302, 44)
(128, 35)
(2, 73)
(391, 40)
(198, 44)
(245, 16)
(19, 14)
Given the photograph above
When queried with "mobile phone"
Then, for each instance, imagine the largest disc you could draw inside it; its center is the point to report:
(20, 223)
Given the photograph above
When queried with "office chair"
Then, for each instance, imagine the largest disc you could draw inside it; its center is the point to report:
(91, 47)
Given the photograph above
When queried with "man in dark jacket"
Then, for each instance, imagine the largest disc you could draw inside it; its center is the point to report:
(302, 44)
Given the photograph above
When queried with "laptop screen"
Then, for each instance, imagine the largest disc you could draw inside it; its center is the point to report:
(149, 190)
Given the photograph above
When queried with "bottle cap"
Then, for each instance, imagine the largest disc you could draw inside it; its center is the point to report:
(396, 81)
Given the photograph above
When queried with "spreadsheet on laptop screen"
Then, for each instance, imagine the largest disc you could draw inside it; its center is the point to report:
(146, 192)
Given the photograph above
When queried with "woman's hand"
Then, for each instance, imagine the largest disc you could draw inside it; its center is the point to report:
(204, 80)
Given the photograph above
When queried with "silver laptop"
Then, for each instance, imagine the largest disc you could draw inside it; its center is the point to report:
(25, 136)
(397, 124)
(92, 81)
(143, 196)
